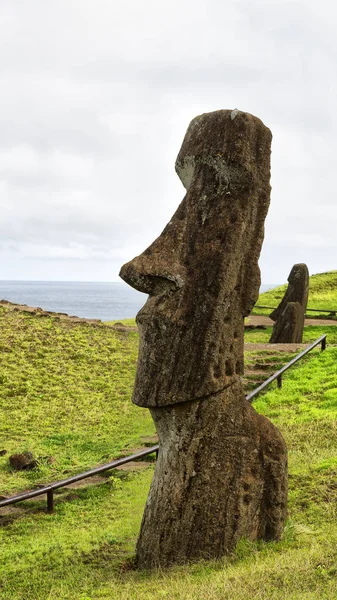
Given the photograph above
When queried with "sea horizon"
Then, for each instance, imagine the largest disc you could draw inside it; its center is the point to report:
(104, 300)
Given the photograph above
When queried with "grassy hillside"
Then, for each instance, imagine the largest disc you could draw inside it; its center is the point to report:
(322, 292)
(65, 392)
(80, 552)
(65, 395)
(310, 334)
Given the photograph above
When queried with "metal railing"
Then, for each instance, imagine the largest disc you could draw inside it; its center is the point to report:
(278, 375)
(331, 312)
(49, 489)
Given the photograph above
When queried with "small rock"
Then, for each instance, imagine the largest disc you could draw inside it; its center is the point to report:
(19, 462)
(3, 452)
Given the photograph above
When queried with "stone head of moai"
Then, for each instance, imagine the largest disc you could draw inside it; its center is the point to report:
(202, 273)
(297, 290)
(289, 316)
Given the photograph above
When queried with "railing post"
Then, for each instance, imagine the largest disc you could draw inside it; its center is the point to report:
(279, 381)
(157, 452)
(323, 344)
(50, 501)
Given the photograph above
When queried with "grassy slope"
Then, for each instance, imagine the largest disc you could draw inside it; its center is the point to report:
(65, 392)
(79, 552)
(322, 293)
(310, 334)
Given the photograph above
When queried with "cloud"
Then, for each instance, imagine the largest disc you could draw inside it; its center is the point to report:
(95, 101)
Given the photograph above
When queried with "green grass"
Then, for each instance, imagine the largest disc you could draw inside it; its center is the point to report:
(127, 322)
(322, 294)
(263, 358)
(82, 550)
(65, 391)
(310, 334)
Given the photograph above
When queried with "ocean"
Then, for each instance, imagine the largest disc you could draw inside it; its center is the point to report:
(93, 300)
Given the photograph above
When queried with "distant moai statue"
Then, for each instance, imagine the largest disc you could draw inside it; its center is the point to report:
(290, 314)
(221, 472)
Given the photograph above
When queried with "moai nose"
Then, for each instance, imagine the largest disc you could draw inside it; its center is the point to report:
(145, 277)
(159, 269)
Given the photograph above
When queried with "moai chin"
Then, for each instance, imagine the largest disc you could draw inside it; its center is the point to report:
(289, 316)
(221, 472)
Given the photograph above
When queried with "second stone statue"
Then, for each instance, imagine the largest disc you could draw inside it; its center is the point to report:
(221, 472)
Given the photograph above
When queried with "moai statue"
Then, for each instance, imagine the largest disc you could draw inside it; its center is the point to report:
(290, 314)
(221, 472)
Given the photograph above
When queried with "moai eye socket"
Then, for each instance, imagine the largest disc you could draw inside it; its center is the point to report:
(185, 171)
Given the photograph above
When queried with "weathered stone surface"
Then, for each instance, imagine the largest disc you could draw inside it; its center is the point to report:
(289, 326)
(289, 323)
(222, 468)
(220, 476)
(297, 290)
(201, 272)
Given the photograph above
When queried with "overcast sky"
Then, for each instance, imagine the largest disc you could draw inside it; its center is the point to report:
(96, 96)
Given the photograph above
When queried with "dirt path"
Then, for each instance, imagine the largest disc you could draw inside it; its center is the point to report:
(262, 320)
(274, 348)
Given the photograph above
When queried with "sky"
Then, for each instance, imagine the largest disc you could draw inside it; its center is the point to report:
(96, 96)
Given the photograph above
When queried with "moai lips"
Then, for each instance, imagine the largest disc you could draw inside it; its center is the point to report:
(222, 469)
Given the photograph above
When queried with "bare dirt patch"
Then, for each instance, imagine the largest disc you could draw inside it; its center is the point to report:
(274, 348)
(257, 320)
